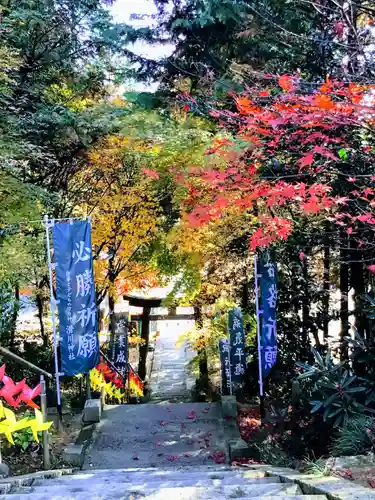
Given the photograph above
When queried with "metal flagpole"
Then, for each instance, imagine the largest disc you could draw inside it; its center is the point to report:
(53, 304)
(258, 312)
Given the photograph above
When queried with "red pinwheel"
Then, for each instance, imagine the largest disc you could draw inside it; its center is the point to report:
(10, 389)
(118, 382)
(27, 395)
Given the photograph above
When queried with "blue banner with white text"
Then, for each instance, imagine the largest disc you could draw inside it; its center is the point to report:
(237, 347)
(225, 367)
(75, 293)
(268, 301)
(118, 347)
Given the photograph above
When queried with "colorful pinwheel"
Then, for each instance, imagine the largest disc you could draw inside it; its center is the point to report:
(11, 389)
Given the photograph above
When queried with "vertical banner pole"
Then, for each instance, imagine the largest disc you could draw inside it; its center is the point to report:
(53, 315)
(230, 359)
(258, 336)
(221, 371)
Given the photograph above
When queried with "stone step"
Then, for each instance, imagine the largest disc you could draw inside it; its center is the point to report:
(95, 489)
(287, 497)
(216, 468)
(197, 428)
(154, 484)
(192, 436)
(151, 413)
(144, 458)
(173, 399)
(181, 450)
(179, 494)
(141, 475)
(270, 490)
(167, 396)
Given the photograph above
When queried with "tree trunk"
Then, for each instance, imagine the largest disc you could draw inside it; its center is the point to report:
(245, 296)
(13, 325)
(344, 303)
(111, 311)
(143, 350)
(203, 365)
(40, 307)
(326, 275)
(111, 297)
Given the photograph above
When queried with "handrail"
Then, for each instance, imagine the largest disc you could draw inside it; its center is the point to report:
(43, 398)
(23, 362)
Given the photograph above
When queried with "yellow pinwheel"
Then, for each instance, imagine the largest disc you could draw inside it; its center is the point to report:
(118, 394)
(37, 424)
(96, 379)
(109, 389)
(9, 424)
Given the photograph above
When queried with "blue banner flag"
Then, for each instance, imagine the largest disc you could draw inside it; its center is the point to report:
(118, 348)
(237, 347)
(225, 367)
(268, 301)
(75, 292)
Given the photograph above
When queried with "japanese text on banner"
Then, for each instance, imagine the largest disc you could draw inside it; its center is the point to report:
(268, 302)
(225, 367)
(119, 344)
(237, 347)
(75, 291)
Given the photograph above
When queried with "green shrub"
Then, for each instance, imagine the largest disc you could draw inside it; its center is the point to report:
(356, 437)
(335, 392)
(271, 452)
(24, 438)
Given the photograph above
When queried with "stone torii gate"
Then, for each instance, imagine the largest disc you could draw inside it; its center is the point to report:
(147, 304)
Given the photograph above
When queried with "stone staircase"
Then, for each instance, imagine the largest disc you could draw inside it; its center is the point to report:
(170, 380)
(189, 483)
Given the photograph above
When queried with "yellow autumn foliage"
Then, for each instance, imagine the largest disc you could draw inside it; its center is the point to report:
(124, 210)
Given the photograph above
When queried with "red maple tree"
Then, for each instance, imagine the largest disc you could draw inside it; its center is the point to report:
(289, 151)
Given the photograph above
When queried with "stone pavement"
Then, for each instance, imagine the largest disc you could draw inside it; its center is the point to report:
(170, 379)
(166, 432)
(158, 435)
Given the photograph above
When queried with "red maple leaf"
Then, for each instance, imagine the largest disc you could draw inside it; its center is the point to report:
(287, 83)
(306, 160)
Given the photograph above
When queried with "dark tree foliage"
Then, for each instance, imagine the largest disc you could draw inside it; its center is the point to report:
(235, 40)
(57, 64)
